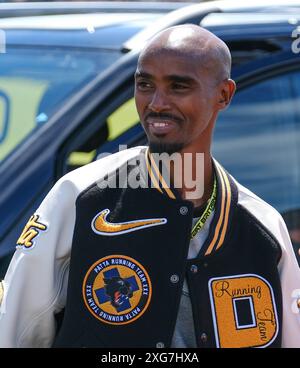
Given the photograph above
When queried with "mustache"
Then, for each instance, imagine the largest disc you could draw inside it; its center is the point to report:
(163, 116)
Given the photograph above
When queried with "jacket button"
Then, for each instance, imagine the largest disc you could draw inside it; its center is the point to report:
(194, 269)
(203, 337)
(183, 210)
(174, 279)
(160, 345)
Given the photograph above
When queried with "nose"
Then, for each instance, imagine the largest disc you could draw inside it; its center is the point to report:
(159, 102)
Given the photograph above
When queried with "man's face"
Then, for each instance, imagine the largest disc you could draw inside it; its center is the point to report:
(176, 100)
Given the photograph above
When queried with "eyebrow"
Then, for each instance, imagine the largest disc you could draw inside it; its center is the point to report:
(171, 77)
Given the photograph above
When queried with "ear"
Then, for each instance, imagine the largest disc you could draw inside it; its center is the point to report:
(226, 92)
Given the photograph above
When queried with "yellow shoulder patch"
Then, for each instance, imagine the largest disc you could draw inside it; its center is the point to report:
(31, 230)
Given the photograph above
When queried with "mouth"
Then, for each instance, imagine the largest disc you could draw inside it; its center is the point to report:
(159, 126)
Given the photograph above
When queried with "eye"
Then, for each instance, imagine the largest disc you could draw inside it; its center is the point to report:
(180, 87)
(143, 85)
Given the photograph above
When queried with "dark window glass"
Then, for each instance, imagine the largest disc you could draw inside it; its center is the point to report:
(34, 83)
(258, 140)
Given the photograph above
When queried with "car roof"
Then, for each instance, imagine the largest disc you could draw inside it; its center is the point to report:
(265, 10)
(253, 25)
(81, 7)
(86, 25)
(128, 25)
(72, 21)
(93, 30)
(250, 18)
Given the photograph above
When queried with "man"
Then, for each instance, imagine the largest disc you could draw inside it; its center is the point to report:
(163, 263)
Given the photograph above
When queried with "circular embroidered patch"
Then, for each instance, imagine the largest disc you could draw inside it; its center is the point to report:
(117, 290)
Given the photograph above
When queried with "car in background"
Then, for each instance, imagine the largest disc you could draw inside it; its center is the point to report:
(52, 52)
(66, 97)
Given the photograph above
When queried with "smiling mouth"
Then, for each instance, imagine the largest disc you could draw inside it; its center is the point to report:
(161, 126)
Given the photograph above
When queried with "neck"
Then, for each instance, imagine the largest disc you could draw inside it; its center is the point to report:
(194, 178)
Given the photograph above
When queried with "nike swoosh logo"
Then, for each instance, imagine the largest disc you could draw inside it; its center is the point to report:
(102, 226)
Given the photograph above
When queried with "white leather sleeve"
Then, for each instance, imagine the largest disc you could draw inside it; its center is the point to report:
(289, 270)
(36, 280)
(36, 275)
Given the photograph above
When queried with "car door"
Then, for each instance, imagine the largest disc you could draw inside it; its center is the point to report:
(258, 137)
(29, 172)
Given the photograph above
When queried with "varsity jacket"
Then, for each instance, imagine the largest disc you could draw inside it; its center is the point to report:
(114, 256)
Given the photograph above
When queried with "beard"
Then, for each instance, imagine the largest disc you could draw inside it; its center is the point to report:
(161, 147)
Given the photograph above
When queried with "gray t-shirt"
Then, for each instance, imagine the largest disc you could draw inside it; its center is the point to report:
(184, 333)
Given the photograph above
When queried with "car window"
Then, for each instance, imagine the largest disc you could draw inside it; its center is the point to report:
(121, 120)
(258, 139)
(34, 83)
